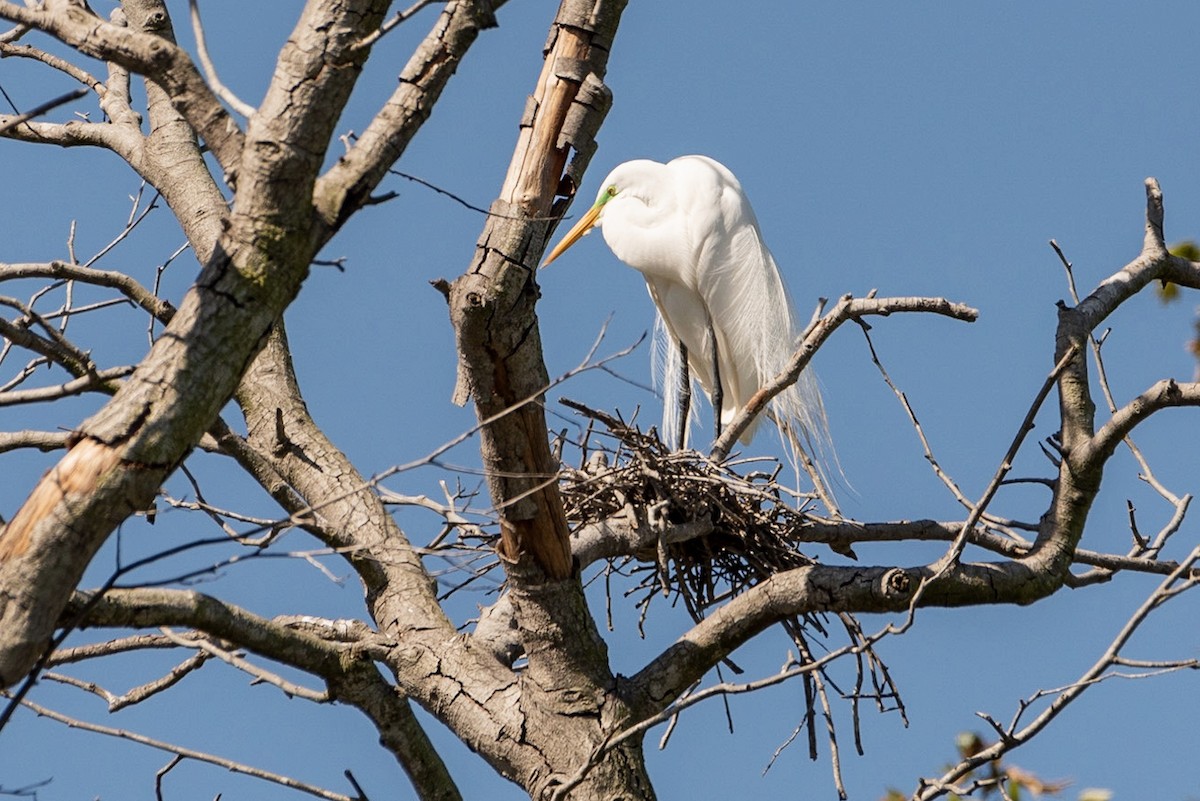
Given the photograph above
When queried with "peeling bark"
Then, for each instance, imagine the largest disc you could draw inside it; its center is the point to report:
(493, 304)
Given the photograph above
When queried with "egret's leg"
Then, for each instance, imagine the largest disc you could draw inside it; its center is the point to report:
(685, 397)
(718, 394)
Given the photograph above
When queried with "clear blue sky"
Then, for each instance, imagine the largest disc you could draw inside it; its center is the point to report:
(914, 148)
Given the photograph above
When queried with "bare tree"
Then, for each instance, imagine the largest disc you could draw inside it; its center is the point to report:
(531, 687)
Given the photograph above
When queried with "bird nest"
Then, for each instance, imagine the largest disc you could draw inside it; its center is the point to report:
(685, 526)
(694, 527)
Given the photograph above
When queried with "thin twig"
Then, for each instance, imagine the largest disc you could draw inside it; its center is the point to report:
(38, 111)
(938, 471)
(187, 753)
(1012, 737)
(847, 308)
(137, 694)
(952, 555)
(162, 772)
(465, 203)
(387, 26)
(290, 689)
(210, 72)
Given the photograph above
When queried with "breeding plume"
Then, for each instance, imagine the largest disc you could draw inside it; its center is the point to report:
(688, 228)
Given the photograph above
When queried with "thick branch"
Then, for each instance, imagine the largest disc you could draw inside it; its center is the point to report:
(137, 439)
(348, 185)
(1076, 324)
(399, 730)
(1163, 395)
(619, 537)
(152, 608)
(821, 588)
(41, 440)
(492, 305)
(1085, 454)
(347, 513)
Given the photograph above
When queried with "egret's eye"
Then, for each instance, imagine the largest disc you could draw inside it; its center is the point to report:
(612, 190)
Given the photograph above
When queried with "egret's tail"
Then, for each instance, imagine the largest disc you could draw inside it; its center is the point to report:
(799, 414)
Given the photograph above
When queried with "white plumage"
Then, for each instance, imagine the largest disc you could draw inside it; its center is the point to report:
(688, 228)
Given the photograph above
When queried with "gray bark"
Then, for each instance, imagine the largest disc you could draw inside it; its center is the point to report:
(562, 724)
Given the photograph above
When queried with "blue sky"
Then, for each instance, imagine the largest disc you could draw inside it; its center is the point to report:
(915, 148)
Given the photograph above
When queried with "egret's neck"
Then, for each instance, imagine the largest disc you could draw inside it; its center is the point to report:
(642, 234)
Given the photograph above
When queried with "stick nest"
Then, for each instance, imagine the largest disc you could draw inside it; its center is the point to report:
(703, 532)
(702, 529)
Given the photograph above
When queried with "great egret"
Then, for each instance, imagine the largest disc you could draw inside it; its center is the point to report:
(688, 228)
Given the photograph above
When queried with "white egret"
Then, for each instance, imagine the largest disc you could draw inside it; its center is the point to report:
(688, 228)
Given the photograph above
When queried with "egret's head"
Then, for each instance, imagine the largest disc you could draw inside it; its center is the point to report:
(585, 224)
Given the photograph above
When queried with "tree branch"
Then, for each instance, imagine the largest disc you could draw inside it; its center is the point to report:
(147, 54)
(137, 694)
(348, 513)
(7, 122)
(340, 652)
(189, 753)
(44, 441)
(1163, 395)
(847, 308)
(399, 730)
(348, 184)
(101, 380)
(154, 608)
(127, 449)
(128, 286)
(62, 65)
(221, 91)
(492, 304)
(1012, 737)
(203, 646)
(619, 537)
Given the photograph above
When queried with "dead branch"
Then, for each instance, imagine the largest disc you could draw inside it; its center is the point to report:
(7, 123)
(1007, 526)
(44, 441)
(136, 694)
(205, 646)
(847, 308)
(221, 90)
(100, 380)
(1103, 669)
(188, 753)
(146, 54)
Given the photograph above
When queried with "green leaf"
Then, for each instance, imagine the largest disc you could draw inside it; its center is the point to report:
(1187, 249)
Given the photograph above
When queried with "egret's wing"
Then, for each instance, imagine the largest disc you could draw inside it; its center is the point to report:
(768, 319)
(740, 285)
(752, 313)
